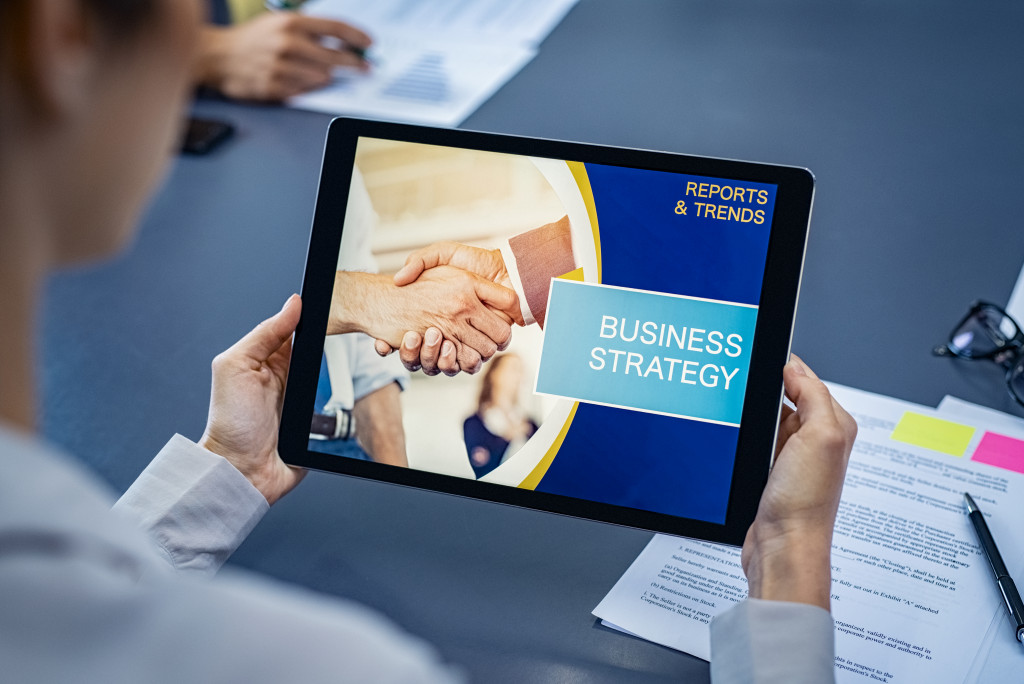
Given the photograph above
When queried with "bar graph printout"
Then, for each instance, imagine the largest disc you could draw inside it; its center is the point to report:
(526, 22)
(434, 61)
(912, 595)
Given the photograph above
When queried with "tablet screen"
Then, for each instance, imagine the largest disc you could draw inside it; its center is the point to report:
(625, 302)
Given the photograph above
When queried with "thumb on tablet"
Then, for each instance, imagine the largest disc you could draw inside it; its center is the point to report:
(267, 337)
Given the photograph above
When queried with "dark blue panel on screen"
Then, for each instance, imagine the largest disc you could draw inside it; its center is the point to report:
(657, 463)
(669, 233)
(646, 245)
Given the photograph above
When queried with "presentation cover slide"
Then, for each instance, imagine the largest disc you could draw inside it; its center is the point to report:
(636, 300)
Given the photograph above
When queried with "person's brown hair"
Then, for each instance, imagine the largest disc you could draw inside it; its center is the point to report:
(487, 381)
(121, 21)
(120, 17)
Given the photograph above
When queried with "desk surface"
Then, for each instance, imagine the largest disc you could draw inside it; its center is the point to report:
(908, 113)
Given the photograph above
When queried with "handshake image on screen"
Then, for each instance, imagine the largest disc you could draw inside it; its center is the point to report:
(446, 255)
(451, 306)
(553, 325)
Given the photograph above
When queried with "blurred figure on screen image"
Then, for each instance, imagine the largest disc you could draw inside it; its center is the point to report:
(500, 426)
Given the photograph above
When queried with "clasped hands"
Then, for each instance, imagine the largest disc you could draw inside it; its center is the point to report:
(450, 308)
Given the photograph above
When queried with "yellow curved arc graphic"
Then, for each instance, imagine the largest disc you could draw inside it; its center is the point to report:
(541, 469)
(579, 173)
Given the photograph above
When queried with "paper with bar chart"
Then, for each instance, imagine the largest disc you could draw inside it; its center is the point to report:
(435, 62)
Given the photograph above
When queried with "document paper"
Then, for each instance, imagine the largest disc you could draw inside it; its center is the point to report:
(527, 22)
(433, 62)
(1001, 656)
(912, 594)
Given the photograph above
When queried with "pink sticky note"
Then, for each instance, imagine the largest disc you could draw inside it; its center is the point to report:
(1000, 451)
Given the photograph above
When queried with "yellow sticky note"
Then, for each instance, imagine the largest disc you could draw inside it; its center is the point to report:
(244, 10)
(933, 433)
(575, 274)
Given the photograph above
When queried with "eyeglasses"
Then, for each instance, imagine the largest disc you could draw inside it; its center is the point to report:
(987, 332)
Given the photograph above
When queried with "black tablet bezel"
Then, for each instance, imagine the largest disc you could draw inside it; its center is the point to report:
(769, 352)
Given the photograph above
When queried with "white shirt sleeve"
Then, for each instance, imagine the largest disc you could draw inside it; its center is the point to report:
(773, 642)
(355, 368)
(195, 505)
(375, 371)
(85, 599)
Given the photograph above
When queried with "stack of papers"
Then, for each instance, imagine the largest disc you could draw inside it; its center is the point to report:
(434, 61)
(912, 595)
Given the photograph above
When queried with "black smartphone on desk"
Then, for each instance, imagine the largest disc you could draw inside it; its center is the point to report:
(203, 135)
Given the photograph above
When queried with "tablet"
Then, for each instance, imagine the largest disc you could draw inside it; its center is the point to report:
(621, 319)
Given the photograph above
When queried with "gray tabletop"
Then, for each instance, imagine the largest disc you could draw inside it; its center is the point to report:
(909, 114)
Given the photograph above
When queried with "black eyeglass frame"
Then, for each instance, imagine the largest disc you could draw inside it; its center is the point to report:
(1008, 354)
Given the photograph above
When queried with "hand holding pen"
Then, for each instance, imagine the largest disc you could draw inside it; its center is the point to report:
(277, 55)
(358, 48)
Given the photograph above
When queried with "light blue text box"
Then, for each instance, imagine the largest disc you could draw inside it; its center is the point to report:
(647, 351)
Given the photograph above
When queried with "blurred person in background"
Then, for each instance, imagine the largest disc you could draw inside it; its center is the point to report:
(500, 426)
(250, 53)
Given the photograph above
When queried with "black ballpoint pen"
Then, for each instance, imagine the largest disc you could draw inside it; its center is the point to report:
(1011, 597)
(294, 6)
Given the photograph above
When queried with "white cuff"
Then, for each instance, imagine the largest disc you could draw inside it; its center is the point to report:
(194, 504)
(758, 641)
(512, 267)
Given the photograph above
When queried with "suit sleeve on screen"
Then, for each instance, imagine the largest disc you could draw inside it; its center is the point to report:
(535, 257)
